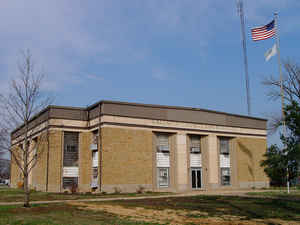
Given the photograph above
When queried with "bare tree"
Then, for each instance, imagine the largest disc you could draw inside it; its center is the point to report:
(4, 168)
(24, 99)
(2, 152)
(291, 89)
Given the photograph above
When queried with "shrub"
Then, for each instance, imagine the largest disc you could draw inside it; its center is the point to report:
(117, 190)
(140, 189)
(32, 190)
(73, 188)
(20, 185)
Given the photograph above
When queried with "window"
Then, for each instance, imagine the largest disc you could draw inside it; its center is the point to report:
(224, 145)
(94, 183)
(163, 143)
(225, 176)
(224, 161)
(95, 137)
(35, 145)
(69, 182)
(94, 148)
(94, 158)
(95, 172)
(162, 160)
(163, 177)
(71, 149)
(195, 144)
(95, 155)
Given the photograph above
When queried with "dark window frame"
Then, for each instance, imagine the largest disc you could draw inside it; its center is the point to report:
(95, 137)
(195, 144)
(225, 179)
(95, 172)
(71, 149)
(224, 149)
(160, 146)
(159, 184)
(68, 182)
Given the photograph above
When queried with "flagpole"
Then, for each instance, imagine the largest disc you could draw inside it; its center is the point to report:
(281, 89)
(242, 17)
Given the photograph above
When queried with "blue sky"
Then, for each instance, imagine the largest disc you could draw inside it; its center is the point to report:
(184, 53)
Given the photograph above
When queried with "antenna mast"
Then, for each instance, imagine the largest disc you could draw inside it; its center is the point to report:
(240, 7)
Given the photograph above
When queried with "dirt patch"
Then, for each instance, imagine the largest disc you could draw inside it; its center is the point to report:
(39, 209)
(171, 216)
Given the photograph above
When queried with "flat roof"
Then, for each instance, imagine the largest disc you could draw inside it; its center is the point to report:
(173, 107)
(147, 111)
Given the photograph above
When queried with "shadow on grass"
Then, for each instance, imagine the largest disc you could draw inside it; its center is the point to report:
(208, 206)
(15, 195)
(219, 206)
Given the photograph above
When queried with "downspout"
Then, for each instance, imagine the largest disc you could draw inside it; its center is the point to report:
(100, 148)
(48, 144)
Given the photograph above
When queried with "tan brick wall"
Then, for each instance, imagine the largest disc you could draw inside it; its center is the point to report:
(182, 162)
(205, 162)
(250, 152)
(40, 170)
(15, 172)
(85, 162)
(213, 166)
(127, 158)
(55, 161)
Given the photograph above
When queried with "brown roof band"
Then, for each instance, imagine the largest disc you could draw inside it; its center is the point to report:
(148, 111)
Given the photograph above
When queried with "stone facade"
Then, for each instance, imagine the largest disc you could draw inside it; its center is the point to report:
(127, 158)
(15, 172)
(249, 155)
(55, 161)
(85, 162)
(39, 172)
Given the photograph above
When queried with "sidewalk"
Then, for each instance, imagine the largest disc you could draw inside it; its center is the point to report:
(186, 194)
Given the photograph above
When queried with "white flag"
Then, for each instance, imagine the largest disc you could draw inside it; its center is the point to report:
(271, 52)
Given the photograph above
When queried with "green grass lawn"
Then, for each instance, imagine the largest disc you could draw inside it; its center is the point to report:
(220, 206)
(17, 195)
(197, 208)
(282, 194)
(58, 214)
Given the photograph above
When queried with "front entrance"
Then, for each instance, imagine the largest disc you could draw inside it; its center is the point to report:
(196, 178)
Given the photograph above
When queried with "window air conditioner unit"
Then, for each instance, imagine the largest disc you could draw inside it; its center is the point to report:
(93, 147)
(163, 148)
(224, 151)
(195, 150)
(94, 184)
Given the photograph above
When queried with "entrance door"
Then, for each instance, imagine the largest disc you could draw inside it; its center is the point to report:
(196, 178)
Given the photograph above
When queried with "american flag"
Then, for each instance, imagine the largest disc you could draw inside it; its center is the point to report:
(264, 32)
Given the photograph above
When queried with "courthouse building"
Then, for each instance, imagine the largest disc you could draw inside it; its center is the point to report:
(127, 146)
